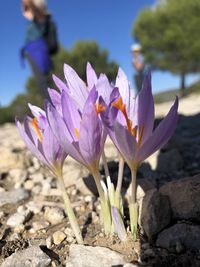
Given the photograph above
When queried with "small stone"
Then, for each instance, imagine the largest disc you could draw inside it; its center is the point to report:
(14, 237)
(68, 231)
(49, 242)
(18, 218)
(2, 214)
(2, 189)
(53, 215)
(19, 229)
(58, 237)
(70, 239)
(36, 189)
(33, 207)
(40, 225)
(88, 199)
(29, 184)
(37, 177)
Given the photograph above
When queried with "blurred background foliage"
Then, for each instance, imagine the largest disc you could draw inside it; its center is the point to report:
(77, 58)
(169, 36)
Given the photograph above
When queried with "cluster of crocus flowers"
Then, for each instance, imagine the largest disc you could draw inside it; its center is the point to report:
(77, 122)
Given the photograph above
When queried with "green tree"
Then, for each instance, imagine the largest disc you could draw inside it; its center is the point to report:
(170, 37)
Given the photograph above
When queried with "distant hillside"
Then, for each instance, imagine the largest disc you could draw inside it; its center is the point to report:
(169, 95)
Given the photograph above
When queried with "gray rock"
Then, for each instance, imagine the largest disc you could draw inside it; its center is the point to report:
(186, 235)
(13, 196)
(155, 212)
(30, 257)
(87, 256)
(169, 160)
(184, 196)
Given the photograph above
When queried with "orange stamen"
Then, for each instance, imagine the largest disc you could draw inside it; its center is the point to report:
(99, 108)
(76, 132)
(35, 125)
(122, 107)
(140, 135)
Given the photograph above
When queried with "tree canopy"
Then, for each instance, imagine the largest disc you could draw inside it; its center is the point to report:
(170, 37)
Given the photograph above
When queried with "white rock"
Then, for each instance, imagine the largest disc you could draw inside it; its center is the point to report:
(87, 256)
(32, 256)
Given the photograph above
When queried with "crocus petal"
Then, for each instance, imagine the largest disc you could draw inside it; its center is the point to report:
(55, 99)
(91, 76)
(118, 224)
(27, 136)
(77, 87)
(91, 100)
(71, 115)
(60, 84)
(104, 88)
(39, 114)
(62, 133)
(160, 135)
(124, 141)
(144, 110)
(90, 137)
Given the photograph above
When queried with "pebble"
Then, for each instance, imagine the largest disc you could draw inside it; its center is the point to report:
(58, 237)
(2, 214)
(36, 189)
(69, 232)
(33, 207)
(49, 242)
(40, 225)
(88, 199)
(18, 218)
(29, 184)
(70, 239)
(54, 215)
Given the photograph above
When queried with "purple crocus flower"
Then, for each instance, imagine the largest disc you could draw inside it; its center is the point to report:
(41, 141)
(77, 89)
(80, 134)
(134, 135)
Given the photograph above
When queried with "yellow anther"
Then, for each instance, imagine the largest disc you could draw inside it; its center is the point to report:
(76, 132)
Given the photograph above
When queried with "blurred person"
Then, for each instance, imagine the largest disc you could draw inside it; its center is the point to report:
(139, 65)
(40, 42)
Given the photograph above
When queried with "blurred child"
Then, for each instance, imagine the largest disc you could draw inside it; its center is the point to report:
(40, 41)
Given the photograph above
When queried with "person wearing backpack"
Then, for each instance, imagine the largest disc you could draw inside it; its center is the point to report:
(40, 41)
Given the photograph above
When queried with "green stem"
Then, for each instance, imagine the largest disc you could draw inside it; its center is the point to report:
(69, 210)
(107, 174)
(120, 174)
(133, 207)
(105, 205)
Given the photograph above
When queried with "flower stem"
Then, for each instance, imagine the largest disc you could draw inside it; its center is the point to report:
(69, 210)
(105, 205)
(120, 174)
(107, 174)
(133, 207)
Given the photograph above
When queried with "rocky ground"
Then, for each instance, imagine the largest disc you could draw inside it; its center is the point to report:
(34, 229)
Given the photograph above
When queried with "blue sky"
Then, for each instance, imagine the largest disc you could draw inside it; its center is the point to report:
(109, 22)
